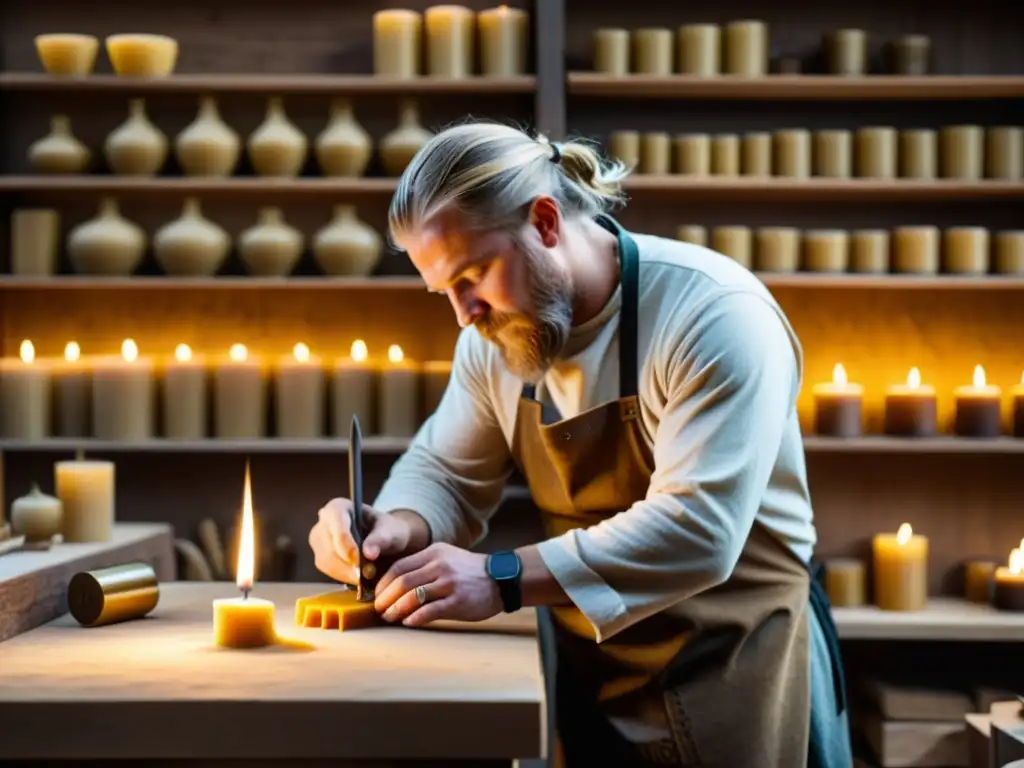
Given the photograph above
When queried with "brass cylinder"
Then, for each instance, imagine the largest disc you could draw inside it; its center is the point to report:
(110, 595)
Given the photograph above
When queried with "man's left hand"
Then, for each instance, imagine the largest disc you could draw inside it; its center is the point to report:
(454, 582)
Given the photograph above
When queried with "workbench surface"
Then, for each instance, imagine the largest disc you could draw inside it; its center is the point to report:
(158, 687)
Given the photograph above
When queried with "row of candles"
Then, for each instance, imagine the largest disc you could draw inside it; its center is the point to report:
(900, 562)
(115, 397)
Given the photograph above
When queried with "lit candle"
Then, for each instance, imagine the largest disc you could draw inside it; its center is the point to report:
(978, 408)
(244, 622)
(451, 32)
(86, 488)
(1018, 408)
(122, 396)
(72, 383)
(911, 409)
(240, 396)
(352, 389)
(901, 570)
(185, 396)
(503, 41)
(398, 412)
(978, 580)
(845, 582)
(396, 43)
(299, 395)
(25, 395)
(838, 406)
(1008, 582)
(435, 380)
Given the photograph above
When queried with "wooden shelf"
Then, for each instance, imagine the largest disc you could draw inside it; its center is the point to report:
(939, 445)
(795, 87)
(267, 83)
(945, 619)
(820, 189)
(895, 282)
(195, 185)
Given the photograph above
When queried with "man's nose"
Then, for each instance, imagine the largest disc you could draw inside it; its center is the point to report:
(468, 308)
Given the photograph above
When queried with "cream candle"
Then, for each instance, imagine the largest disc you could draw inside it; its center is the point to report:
(792, 153)
(826, 250)
(352, 391)
(757, 154)
(1018, 408)
(915, 250)
(655, 152)
(25, 385)
(504, 45)
(1008, 258)
(746, 48)
(625, 146)
(35, 241)
(123, 396)
(1008, 582)
(699, 49)
(86, 489)
(652, 51)
(611, 51)
(911, 409)
(435, 380)
(693, 154)
(72, 383)
(833, 154)
(240, 396)
(300, 395)
(978, 408)
(725, 155)
(1004, 152)
(397, 43)
(838, 406)
(901, 570)
(736, 242)
(451, 40)
(918, 154)
(778, 249)
(869, 251)
(845, 582)
(962, 152)
(398, 413)
(186, 393)
(876, 152)
(965, 250)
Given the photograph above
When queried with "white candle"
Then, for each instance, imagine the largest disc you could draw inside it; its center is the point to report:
(451, 32)
(72, 383)
(186, 391)
(240, 396)
(503, 41)
(399, 403)
(299, 395)
(352, 388)
(122, 396)
(86, 489)
(25, 395)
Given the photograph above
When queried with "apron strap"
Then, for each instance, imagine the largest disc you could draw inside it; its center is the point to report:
(823, 610)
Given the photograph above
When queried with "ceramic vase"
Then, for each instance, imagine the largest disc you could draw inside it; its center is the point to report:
(36, 516)
(208, 146)
(343, 148)
(136, 147)
(59, 151)
(277, 147)
(398, 147)
(191, 245)
(108, 244)
(347, 246)
(271, 248)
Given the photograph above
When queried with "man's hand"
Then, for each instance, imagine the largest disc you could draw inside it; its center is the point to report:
(455, 582)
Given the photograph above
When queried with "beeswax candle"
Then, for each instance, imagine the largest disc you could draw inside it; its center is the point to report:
(978, 580)
(826, 250)
(876, 152)
(86, 490)
(1018, 408)
(25, 395)
(847, 52)
(503, 41)
(978, 408)
(1008, 582)
(725, 155)
(625, 146)
(833, 154)
(757, 154)
(451, 36)
(399, 402)
(736, 242)
(965, 250)
(915, 250)
(699, 49)
(912, 55)
(918, 154)
(1009, 252)
(652, 51)
(911, 408)
(693, 154)
(792, 153)
(72, 384)
(240, 396)
(901, 570)
(692, 233)
(655, 152)
(300, 395)
(1004, 152)
(123, 394)
(845, 582)
(778, 249)
(185, 396)
(352, 389)
(611, 51)
(397, 43)
(35, 241)
(962, 151)
(838, 406)
(869, 251)
(746, 48)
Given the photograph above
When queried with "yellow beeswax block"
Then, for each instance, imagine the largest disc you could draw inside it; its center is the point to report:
(335, 610)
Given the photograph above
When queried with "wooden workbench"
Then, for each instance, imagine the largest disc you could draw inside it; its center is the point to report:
(158, 688)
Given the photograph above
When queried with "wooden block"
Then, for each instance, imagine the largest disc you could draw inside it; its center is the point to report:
(335, 610)
(912, 703)
(979, 751)
(899, 744)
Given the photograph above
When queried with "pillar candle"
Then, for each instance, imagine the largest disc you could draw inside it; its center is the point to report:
(965, 250)
(847, 51)
(699, 50)
(611, 51)
(838, 406)
(978, 580)
(1017, 395)
(123, 387)
(186, 392)
(435, 380)
(243, 622)
(1009, 252)
(845, 582)
(35, 241)
(746, 48)
(692, 233)
(918, 154)
(901, 570)
(399, 402)
(912, 55)
(352, 391)
(1004, 152)
(915, 250)
(299, 395)
(451, 40)
(911, 408)
(693, 154)
(625, 147)
(72, 385)
(869, 251)
(652, 51)
(655, 153)
(826, 250)
(86, 489)
(978, 408)
(503, 41)
(240, 396)
(876, 152)
(792, 153)
(725, 155)
(397, 43)
(778, 249)
(962, 152)
(833, 154)
(757, 154)
(735, 242)
(1008, 582)
(25, 386)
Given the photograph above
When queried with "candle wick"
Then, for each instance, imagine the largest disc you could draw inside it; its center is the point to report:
(245, 593)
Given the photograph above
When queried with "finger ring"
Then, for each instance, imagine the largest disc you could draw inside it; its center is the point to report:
(421, 594)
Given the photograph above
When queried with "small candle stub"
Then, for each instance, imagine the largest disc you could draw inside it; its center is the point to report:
(978, 576)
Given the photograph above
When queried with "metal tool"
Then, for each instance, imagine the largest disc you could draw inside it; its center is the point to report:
(367, 570)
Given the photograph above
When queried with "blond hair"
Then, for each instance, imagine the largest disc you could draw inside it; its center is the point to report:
(490, 173)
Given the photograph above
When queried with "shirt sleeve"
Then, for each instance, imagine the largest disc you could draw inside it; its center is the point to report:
(456, 466)
(729, 382)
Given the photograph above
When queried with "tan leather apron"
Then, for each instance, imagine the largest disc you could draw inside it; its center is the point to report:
(721, 680)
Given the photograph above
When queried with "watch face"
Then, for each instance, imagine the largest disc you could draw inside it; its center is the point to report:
(504, 565)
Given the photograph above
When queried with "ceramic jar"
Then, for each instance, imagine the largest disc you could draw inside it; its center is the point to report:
(399, 147)
(347, 246)
(208, 146)
(277, 147)
(37, 516)
(343, 148)
(136, 147)
(191, 245)
(108, 244)
(271, 248)
(59, 151)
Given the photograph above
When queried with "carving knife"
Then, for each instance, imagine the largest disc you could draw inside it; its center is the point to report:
(367, 570)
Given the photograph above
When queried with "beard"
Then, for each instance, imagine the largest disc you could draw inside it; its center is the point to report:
(529, 342)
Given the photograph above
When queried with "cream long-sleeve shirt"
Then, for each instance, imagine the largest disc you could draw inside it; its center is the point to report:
(720, 369)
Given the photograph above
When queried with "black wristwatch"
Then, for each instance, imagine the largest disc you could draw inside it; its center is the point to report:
(506, 569)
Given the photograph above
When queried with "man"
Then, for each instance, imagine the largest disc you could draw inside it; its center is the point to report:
(646, 389)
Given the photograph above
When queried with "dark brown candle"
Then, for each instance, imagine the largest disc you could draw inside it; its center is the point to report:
(838, 406)
(978, 408)
(911, 409)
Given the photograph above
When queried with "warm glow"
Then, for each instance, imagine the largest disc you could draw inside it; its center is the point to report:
(1017, 562)
(903, 534)
(245, 573)
(183, 353)
(301, 352)
(359, 351)
(27, 351)
(839, 374)
(395, 354)
(129, 350)
(72, 351)
(914, 378)
(238, 353)
(979, 376)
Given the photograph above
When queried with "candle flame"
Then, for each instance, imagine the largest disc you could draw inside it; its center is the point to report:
(359, 351)
(301, 352)
(183, 353)
(914, 378)
(395, 354)
(246, 567)
(903, 534)
(27, 351)
(1017, 562)
(839, 374)
(129, 350)
(72, 351)
(979, 376)
(238, 353)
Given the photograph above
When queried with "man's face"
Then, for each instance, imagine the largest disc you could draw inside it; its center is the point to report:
(510, 287)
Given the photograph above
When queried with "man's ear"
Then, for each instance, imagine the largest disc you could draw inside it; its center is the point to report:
(547, 219)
